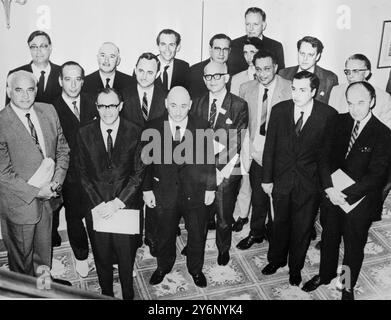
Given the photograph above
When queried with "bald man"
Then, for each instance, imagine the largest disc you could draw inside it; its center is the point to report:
(227, 115)
(179, 180)
(107, 76)
(30, 135)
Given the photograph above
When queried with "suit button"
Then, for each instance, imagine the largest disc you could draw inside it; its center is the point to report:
(188, 198)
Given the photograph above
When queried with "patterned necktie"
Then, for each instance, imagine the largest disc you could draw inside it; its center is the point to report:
(76, 110)
(33, 132)
(178, 133)
(109, 143)
(144, 106)
(41, 85)
(262, 130)
(353, 137)
(107, 83)
(299, 124)
(165, 78)
(212, 116)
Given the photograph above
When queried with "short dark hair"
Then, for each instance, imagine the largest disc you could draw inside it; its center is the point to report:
(256, 10)
(265, 54)
(314, 80)
(254, 41)
(107, 91)
(149, 56)
(218, 37)
(169, 31)
(37, 34)
(371, 90)
(71, 63)
(361, 57)
(314, 42)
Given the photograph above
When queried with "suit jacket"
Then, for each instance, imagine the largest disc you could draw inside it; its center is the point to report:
(327, 80)
(249, 91)
(70, 126)
(234, 118)
(170, 181)
(105, 180)
(180, 72)
(388, 88)
(52, 89)
(288, 159)
(20, 158)
(367, 162)
(132, 107)
(93, 82)
(239, 79)
(236, 61)
(382, 109)
(196, 83)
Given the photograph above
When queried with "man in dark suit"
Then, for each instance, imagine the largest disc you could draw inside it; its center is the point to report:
(43, 69)
(34, 157)
(290, 172)
(173, 71)
(111, 173)
(107, 76)
(358, 144)
(255, 21)
(227, 114)
(309, 52)
(144, 101)
(74, 110)
(219, 50)
(180, 184)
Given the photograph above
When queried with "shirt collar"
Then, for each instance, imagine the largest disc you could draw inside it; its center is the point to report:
(69, 101)
(307, 109)
(104, 77)
(114, 126)
(148, 90)
(364, 121)
(219, 96)
(312, 70)
(163, 64)
(21, 112)
(37, 70)
(182, 124)
(270, 87)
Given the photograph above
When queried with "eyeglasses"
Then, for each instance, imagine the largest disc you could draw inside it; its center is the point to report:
(348, 72)
(218, 50)
(110, 106)
(42, 47)
(216, 76)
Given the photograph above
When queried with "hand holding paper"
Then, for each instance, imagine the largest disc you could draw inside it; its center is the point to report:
(336, 197)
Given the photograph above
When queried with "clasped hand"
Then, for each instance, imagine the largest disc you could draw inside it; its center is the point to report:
(336, 197)
(48, 191)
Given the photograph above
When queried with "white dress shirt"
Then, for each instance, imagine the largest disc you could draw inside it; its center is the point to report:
(169, 70)
(104, 77)
(69, 102)
(104, 127)
(182, 125)
(363, 122)
(37, 73)
(34, 119)
(149, 92)
(270, 93)
(307, 112)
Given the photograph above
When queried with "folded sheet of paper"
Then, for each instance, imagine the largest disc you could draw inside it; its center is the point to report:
(124, 221)
(341, 181)
(218, 147)
(44, 173)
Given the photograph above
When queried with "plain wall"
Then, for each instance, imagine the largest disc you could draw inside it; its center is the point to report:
(78, 27)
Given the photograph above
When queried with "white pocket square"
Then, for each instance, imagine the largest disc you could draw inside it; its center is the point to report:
(156, 179)
(228, 121)
(222, 111)
(322, 93)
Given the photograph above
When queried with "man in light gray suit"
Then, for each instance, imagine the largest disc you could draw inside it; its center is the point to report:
(261, 95)
(30, 136)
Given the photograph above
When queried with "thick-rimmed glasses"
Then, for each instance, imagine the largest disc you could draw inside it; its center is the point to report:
(109, 106)
(348, 72)
(41, 47)
(216, 76)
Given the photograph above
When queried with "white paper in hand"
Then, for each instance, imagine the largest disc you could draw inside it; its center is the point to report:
(44, 173)
(123, 221)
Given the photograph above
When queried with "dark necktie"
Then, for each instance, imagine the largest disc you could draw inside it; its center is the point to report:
(76, 110)
(41, 85)
(165, 78)
(33, 132)
(177, 133)
(353, 137)
(299, 124)
(255, 76)
(212, 116)
(107, 83)
(109, 144)
(262, 130)
(144, 106)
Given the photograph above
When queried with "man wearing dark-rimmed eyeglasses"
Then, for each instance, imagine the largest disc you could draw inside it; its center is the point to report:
(44, 70)
(219, 50)
(111, 173)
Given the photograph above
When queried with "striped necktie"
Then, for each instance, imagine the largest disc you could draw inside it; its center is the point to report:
(165, 78)
(262, 130)
(33, 132)
(76, 110)
(144, 106)
(299, 124)
(353, 137)
(212, 116)
(107, 83)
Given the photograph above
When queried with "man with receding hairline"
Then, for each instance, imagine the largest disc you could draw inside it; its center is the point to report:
(107, 76)
(173, 188)
(34, 157)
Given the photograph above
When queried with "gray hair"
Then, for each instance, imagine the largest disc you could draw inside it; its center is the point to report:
(21, 73)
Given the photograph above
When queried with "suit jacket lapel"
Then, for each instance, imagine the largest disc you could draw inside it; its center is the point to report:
(44, 124)
(156, 98)
(51, 80)
(226, 105)
(100, 144)
(19, 127)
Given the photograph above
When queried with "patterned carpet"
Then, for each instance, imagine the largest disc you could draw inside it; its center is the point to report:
(241, 279)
